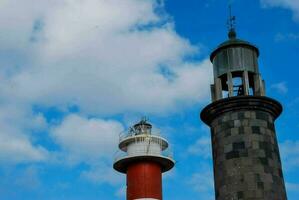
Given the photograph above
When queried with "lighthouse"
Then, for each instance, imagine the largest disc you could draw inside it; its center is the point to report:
(246, 156)
(144, 157)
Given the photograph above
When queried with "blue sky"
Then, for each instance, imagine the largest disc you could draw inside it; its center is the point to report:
(73, 74)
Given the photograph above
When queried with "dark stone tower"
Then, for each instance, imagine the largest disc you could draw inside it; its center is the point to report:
(245, 151)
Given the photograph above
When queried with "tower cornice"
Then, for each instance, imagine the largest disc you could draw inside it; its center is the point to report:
(222, 106)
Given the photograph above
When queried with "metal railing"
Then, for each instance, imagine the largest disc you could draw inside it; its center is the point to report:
(125, 134)
(143, 152)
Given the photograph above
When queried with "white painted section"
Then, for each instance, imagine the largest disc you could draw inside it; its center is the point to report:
(144, 146)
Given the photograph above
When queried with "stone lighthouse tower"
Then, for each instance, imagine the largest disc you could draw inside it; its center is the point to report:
(246, 157)
(144, 158)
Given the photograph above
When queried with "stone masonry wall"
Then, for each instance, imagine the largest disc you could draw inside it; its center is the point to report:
(246, 158)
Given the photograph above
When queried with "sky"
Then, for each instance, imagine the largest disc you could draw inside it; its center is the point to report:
(74, 74)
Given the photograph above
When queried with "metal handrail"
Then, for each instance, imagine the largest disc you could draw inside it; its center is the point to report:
(124, 135)
(121, 154)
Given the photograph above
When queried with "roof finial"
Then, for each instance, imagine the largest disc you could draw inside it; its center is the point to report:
(231, 23)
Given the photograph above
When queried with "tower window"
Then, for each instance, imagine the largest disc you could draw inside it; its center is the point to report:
(238, 89)
(224, 85)
(237, 83)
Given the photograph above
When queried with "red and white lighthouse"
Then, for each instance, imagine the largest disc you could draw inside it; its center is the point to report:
(143, 159)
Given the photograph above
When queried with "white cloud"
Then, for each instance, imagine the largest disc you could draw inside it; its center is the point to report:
(16, 142)
(290, 154)
(286, 37)
(95, 53)
(292, 187)
(87, 139)
(201, 148)
(90, 141)
(280, 87)
(203, 182)
(288, 4)
(14, 149)
(103, 173)
(105, 57)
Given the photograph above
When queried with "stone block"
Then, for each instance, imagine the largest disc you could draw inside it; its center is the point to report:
(245, 122)
(247, 114)
(234, 131)
(255, 145)
(234, 116)
(262, 115)
(259, 123)
(228, 148)
(232, 154)
(238, 146)
(237, 123)
(255, 130)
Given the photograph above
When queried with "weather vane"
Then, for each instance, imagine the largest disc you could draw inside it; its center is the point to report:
(231, 22)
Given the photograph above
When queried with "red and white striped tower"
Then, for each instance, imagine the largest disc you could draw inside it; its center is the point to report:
(143, 159)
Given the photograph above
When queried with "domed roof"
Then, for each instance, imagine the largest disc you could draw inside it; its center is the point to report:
(233, 41)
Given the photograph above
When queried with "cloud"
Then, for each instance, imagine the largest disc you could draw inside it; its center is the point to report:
(91, 141)
(202, 179)
(288, 4)
(279, 37)
(93, 54)
(104, 57)
(290, 154)
(15, 149)
(292, 187)
(203, 182)
(87, 139)
(280, 87)
(16, 137)
(103, 173)
(201, 148)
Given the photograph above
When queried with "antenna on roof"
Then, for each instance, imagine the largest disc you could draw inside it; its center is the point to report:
(231, 22)
(144, 119)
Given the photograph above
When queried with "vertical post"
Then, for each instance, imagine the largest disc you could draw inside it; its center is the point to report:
(230, 84)
(258, 85)
(218, 88)
(213, 92)
(245, 83)
(264, 88)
